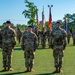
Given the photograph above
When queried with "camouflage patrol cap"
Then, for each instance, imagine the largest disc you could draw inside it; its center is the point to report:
(29, 26)
(8, 22)
(58, 22)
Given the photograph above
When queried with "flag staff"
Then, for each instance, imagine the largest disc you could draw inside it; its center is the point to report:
(50, 6)
(50, 17)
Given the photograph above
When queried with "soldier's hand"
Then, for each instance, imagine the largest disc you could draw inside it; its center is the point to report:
(0, 46)
(51, 46)
(13, 44)
(64, 46)
(22, 46)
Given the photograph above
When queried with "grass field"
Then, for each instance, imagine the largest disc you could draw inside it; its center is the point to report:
(44, 64)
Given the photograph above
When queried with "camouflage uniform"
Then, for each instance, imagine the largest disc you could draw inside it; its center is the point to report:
(29, 45)
(58, 44)
(0, 40)
(7, 44)
(19, 35)
(43, 38)
(73, 36)
(37, 32)
(49, 37)
(68, 36)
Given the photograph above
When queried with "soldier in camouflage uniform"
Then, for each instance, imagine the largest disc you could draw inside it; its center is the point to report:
(19, 35)
(29, 45)
(37, 32)
(0, 39)
(49, 36)
(7, 42)
(68, 36)
(73, 36)
(58, 44)
(43, 38)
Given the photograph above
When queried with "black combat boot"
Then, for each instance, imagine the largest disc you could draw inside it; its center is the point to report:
(57, 70)
(32, 70)
(28, 70)
(60, 70)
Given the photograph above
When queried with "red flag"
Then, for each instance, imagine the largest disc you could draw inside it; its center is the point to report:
(43, 18)
(50, 19)
(37, 17)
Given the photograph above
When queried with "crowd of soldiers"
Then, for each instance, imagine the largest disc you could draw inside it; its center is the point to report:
(30, 41)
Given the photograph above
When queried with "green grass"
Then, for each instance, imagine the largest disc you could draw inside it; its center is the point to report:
(44, 64)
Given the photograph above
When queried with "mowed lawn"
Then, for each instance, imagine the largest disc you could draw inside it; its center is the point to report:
(44, 62)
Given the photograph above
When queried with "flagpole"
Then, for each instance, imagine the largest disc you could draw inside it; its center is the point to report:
(65, 22)
(50, 6)
(37, 17)
(43, 18)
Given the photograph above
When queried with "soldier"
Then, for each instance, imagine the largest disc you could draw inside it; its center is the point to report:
(49, 36)
(19, 35)
(73, 36)
(37, 32)
(58, 44)
(7, 42)
(29, 45)
(68, 36)
(43, 38)
(0, 39)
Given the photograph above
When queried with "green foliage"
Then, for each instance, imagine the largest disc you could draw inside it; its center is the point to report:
(30, 12)
(70, 20)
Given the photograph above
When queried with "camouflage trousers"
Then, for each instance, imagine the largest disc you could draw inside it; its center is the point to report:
(68, 40)
(58, 54)
(73, 41)
(49, 41)
(19, 39)
(29, 59)
(43, 42)
(7, 58)
(38, 40)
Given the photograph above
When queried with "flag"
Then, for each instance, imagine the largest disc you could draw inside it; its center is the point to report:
(43, 18)
(50, 19)
(65, 24)
(37, 17)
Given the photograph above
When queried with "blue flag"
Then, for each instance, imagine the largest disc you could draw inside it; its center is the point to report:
(65, 24)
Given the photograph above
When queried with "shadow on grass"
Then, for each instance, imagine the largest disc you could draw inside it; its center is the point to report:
(69, 45)
(46, 73)
(15, 73)
(43, 48)
(17, 48)
(3, 71)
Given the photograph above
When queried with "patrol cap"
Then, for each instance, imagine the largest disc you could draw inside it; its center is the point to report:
(58, 22)
(29, 26)
(8, 22)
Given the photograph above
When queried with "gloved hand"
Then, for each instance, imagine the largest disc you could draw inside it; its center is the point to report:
(22, 46)
(64, 46)
(51, 46)
(13, 44)
(0, 46)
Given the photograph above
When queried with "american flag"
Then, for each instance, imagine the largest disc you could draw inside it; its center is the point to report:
(65, 24)
(37, 17)
(50, 19)
(43, 18)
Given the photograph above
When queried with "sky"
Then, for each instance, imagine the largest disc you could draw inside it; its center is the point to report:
(12, 10)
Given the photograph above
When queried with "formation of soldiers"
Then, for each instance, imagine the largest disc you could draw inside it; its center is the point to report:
(30, 42)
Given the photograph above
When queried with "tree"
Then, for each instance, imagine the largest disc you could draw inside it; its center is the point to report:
(30, 12)
(70, 21)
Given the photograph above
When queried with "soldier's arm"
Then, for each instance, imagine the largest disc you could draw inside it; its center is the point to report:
(64, 39)
(13, 39)
(22, 43)
(51, 42)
